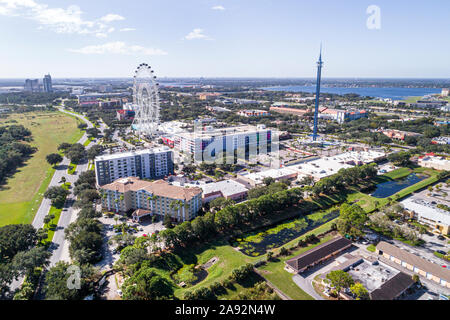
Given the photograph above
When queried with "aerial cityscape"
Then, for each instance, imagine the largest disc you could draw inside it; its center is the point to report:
(140, 172)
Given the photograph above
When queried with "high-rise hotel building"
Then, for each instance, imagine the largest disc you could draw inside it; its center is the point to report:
(148, 163)
(209, 144)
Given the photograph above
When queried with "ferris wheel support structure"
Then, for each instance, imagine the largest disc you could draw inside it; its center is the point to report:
(146, 98)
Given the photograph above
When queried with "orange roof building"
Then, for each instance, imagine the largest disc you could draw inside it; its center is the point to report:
(159, 197)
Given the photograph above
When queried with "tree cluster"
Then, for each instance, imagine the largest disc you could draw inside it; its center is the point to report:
(13, 152)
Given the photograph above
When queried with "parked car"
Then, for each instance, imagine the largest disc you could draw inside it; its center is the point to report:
(119, 292)
(441, 237)
(441, 252)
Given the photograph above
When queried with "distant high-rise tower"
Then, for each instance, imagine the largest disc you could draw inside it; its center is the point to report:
(32, 85)
(316, 111)
(48, 83)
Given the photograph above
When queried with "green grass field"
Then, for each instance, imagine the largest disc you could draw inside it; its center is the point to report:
(412, 99)
(229, 259)
(275, 273)
(21, 196)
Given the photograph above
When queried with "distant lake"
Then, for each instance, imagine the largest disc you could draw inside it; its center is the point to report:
(394, 93)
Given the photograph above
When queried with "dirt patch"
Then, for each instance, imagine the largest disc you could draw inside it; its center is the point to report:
(264, 271)
(210, 263)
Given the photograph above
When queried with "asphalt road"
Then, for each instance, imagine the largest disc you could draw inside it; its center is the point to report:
(66, 216)
(59, 246)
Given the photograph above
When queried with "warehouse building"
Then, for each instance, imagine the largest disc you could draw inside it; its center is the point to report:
(317, 255)
(414, 263)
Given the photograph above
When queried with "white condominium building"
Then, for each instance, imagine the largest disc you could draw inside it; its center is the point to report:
(209, 143)
(148, 163)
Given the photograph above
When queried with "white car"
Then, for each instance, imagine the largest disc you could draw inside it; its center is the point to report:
(119, 292)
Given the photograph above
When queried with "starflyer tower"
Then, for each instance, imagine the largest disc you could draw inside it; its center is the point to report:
(316, 111)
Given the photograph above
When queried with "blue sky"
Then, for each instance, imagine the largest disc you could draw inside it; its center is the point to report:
(223, 38)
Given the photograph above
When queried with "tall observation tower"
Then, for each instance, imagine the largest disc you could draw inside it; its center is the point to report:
(316, 111)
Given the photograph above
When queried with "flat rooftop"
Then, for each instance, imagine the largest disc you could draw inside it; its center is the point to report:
(327, 166)
(120, 155)
(271, 173)
(214, 132)
(426, 210)
(372, 276)
(226, 187)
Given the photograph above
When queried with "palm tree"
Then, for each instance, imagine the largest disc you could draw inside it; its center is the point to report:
(150, 200)
(121, 201)
(186, 208)
(176, 206)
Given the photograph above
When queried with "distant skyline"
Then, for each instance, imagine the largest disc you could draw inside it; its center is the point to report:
(223, 38)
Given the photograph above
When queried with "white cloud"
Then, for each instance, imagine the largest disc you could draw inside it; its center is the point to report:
(126, 29)
(221, 8)
(119, 47)
(112, 17)
(59, 20)
(196, 34)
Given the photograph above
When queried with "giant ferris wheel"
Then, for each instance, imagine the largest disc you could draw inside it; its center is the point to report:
(146, 99)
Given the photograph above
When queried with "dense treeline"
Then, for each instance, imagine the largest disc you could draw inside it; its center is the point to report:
(423, 126)
(13, 150)
(230, 219)
(345, 178)
(84, 234)
(20, 255)
(31, 98)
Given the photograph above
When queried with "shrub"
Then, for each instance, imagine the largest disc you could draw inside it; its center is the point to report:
(284, 251)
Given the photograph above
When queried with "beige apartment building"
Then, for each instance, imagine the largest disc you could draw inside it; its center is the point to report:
(151, 198)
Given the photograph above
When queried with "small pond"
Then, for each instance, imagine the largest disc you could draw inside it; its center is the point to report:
(258, 242)
(387, 189)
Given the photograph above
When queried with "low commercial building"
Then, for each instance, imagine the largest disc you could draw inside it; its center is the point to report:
(338, 115)
(383, 282)
(438, 163)
(320, 168)
(429, 103)
(257, 178)
(294, 111)
(228, 189)
(428, 214)
(441, 140)
(327, 166)
(398, 134)
(253, 113)
(123, 115)
(393, 288)
(208, 95)
(151, 198)
(317, 255)
(422, 267)
(154, 163)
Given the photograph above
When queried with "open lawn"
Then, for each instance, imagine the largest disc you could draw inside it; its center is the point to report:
(412, 99)
(275, 273)
(229, 259)
(369, 203)
(21, 196)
